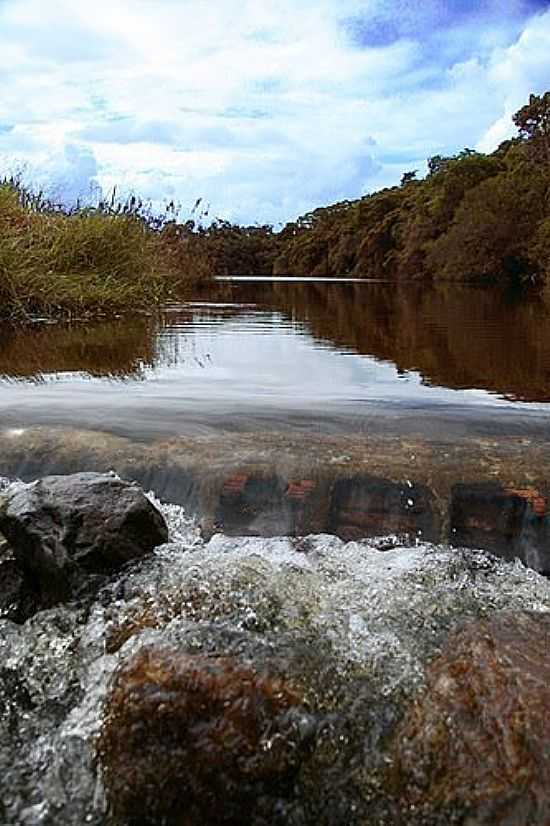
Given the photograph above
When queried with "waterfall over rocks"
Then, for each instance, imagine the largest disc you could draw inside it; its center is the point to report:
(296, 673)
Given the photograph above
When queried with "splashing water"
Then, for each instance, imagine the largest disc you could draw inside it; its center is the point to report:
(355, 624)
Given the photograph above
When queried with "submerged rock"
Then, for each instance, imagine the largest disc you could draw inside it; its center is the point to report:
(67, 530)
(474, 747)
(195, 739)
(511, 522)
(366, 506)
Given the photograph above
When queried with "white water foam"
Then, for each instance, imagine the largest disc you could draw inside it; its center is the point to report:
(377, 615)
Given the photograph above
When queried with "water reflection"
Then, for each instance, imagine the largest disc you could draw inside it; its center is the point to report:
(460, 337)
(112, 350)
(282, 354)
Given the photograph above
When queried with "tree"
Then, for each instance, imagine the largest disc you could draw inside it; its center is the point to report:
(539, 253)
(491, 232)
(409, 177)
(533, 122)
(437, 163)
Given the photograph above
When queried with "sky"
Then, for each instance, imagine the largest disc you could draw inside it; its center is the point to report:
(264, 109)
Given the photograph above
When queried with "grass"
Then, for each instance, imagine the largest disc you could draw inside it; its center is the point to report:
(87, 262)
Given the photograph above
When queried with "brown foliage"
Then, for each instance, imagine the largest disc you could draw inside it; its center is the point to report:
(493, 231)
(474, 217)
(533, 122)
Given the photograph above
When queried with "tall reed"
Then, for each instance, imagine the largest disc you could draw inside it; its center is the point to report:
(87, 261)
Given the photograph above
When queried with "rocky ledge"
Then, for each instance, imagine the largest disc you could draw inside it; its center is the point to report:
(475, 493)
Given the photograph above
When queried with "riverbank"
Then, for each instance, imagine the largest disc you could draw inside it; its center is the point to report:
(85, 262)
(475, 218)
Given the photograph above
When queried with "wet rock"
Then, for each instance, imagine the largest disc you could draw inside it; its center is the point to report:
(509, 522)
(17, 601)
(309, 502)
(253, 505)
(476, 743)
(15, 698)
(191, 739)
(70, 531)
(365, 506)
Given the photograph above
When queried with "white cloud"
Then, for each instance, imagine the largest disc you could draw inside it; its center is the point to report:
(266, 109)
(74, 173)
(68, 174)
(514, 73)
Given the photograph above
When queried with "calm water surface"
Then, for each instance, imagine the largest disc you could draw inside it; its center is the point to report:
(285, 355)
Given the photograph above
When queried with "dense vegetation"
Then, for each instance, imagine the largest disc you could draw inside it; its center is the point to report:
(474, 217)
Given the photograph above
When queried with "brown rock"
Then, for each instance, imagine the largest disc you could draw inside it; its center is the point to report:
(189, 739)
(255, 504)
(474, 748)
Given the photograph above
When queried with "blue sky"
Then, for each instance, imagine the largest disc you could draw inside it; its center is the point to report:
(263, 109)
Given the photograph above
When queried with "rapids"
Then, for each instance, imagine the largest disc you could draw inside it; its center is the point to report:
(357, 621)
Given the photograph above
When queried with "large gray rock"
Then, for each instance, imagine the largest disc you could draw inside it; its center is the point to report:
(68, 530)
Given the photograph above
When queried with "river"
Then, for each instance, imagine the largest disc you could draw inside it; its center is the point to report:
(329, 457)
(330, 357)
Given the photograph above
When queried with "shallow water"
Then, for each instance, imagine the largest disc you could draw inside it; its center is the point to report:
(318, 357)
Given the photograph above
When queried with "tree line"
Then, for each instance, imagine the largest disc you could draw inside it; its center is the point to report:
(474, 217)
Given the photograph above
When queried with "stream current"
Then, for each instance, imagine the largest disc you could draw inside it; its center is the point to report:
(357, 621)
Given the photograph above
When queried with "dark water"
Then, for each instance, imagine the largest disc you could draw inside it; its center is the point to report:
(329, 357)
